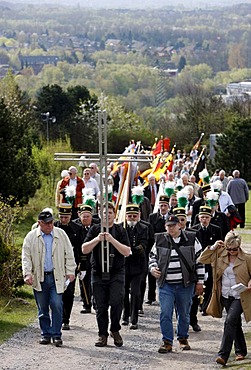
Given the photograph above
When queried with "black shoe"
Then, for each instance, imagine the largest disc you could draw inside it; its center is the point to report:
(149, 302)
(45, 340)
(125, 322)
(118, 341)
(101, 342)
(86, 310)
(66, 327)
(196, 327)
(58, 342)
(134, 326)
(204, 313)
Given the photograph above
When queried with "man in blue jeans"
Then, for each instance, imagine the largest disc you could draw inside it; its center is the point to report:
(174, 263)
(48, 263)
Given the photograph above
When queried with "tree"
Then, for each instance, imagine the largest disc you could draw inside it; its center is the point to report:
(17, 135)
(65, 106)
(53, 99)
(76, 95)
(182, 63)
(84, 128)
(232, 150)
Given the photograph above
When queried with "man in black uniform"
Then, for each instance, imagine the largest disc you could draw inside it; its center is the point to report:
(135, 266)
(85, 221)
(108, 286)
(207, 234)
(157, 220)
(218, 218)
(71, 229)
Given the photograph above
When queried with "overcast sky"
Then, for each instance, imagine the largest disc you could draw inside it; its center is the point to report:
(133, 3)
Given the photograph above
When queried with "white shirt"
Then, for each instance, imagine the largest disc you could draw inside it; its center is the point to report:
(228, 280)
(92, 184)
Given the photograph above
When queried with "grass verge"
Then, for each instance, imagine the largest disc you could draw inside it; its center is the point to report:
(16, 312)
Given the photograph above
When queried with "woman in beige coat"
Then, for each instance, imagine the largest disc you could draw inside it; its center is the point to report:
(231, 265)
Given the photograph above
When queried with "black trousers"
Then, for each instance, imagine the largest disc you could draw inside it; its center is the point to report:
(241, 209)
(108, 293)
(207, 291)
(86, 290)
(142, 290)
(207, 296)
(232, 329)
(151, 288)
(68, 298)
(194, 311)
(131, 306)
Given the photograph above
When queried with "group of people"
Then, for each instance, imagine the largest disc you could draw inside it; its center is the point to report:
(176, 236)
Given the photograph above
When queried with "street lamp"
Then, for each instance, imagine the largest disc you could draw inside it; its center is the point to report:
(46, 118)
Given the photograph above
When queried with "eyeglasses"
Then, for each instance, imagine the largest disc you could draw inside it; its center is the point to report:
(232, 249)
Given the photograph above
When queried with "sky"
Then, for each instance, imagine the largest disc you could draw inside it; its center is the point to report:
(135, 4)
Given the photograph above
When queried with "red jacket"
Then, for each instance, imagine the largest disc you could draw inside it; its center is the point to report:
(80, 186)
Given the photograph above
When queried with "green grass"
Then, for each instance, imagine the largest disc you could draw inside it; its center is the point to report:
(16, 312)
(248, 212)
(19, 311)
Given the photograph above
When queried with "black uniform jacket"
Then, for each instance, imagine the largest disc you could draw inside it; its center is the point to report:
(136, 263)
(210, 236)
(117, 260)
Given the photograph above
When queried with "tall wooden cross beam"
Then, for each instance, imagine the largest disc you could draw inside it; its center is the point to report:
(103, 158)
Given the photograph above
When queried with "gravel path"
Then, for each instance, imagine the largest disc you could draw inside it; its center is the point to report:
(23, 352)
(140, 350)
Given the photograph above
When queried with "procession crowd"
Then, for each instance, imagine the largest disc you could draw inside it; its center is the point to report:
(177, 238)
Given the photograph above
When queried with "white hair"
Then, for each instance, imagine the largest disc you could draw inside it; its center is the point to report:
(64, 173)
(236, 173)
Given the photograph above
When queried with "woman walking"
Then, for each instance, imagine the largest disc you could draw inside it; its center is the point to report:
(231, 266)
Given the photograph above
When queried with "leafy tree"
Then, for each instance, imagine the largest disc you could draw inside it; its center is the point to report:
(64, 105)
(182, 63)
(53, 99)
(84, 128)
(76, 95)
(232, 150)
(17, 135)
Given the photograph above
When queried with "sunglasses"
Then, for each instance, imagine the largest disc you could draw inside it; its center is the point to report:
(91, 168)
(182, 219)
(232, 249)
(87, 173)
(70, 173)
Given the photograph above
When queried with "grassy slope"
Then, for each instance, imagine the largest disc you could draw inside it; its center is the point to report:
(16, 313)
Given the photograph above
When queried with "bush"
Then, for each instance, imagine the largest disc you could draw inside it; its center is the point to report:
(10, 260)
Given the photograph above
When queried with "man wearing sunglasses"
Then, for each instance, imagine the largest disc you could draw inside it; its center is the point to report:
(90, 182)
(48, 266)
(94, 173)
(73, 180)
